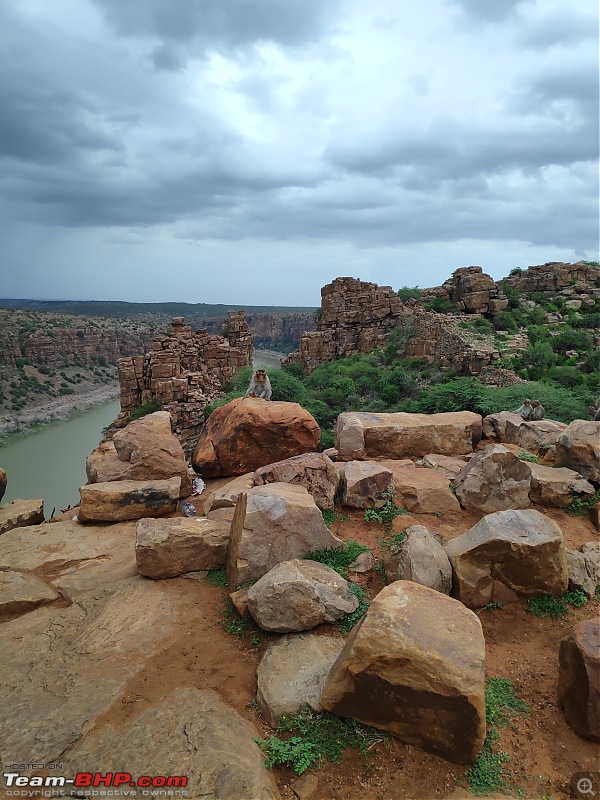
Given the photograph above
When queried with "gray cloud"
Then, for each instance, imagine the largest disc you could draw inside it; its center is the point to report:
(559, 29)
(489, 11)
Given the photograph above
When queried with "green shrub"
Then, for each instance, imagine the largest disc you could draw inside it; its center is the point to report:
(408, 293)
(146, 408)
(570, 339)
(286, 387)
(505, 321)
(539, 355)
(566, 376)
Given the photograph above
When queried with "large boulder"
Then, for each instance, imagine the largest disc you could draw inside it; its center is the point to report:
(116, 501)
(274, 523)
(364, 435)
(578, 448)
(146, 449)
(168, 547)
(423, 491)
(532, 435)
(298, 595)
(579, 679)
(556, 487)
(584, 568)
(192, 733)
(292, 673)
(494, 480)
(3, 483)
(226, 496)
(314, 471)
(420, 558)
(21, 514)
(494, 425)
(249, 432)
(414, 666)
(363, 482)
(21, 592)
(522, 550)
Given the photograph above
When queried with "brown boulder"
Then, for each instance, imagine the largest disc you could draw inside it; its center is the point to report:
(579, 679)
(168, 547)
(584, 568)
(414, 666)
(522, 550)
(494, 480)
(274, 523)
(448, 466)
(578, 448)
(494, 425)
(314, 471)
(20, 514)
(363, 482)
(556, 487)
(368, 435)
(3, 483)
(423, 491)
(594, 515)
(248, 432)
(144, 450)
(116, 501)
(533, 435)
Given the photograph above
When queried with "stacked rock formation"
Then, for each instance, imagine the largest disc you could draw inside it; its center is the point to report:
(471, 290)
(555, 276)
(184, 371)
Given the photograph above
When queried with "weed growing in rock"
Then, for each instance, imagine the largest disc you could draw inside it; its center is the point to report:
(555, 607)
(339, 559)
(524, 456)
(502, 705)
(146, 408)
(579, 506)
(490, 607)
(387, 512)
(392, 539)
(348, 621)
(239, 626)
(318, 738)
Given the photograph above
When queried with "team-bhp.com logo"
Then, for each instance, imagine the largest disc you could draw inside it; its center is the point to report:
(18, 785)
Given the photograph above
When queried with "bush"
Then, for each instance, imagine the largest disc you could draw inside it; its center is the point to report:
(505, 321)
(539, 355)
(462, 394)
(408, 293)
(146, 408)
(566, 376)
(286, 387)
(570, 339)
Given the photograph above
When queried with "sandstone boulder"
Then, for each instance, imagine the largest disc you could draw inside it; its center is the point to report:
(419, 558)
(248, 432)
(222, 515)
(532, 435)
(274, 523)
(191, 733)
(359, 436)
(578, 448)
(314, 471)
(21, 514)
(3, 483)
(414, 666)
(522, 550)
(583, 573)
(226, 496)
(298, 595)
(292, 674)
(494, 425)
(448, 466)
(423, 491)
(146, 449)
(363, 482)
(556, 487)
(168, 547)
(20, 592)
(494, 480)
(116, 501)
(579, 679)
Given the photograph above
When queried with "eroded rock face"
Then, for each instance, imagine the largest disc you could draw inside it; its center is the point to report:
(494, 480)
(584, 568)
(414, 666)
(249, 432)
(579, 679)
(494, 425)
(21, 592)
(144, 450)
(298, 595)
(423, 491)
(292, 674)
(557, 487)
(274, 523)
(191, 733)
(419, 558)
(578, 448)
(21, 514)
(361, 435)
(168, 547)
(523, 550)
(116, 501)
(314, 471)
(363, 482)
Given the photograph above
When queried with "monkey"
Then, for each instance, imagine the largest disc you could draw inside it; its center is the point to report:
(260, 385)
(538, 411)
(525, 410)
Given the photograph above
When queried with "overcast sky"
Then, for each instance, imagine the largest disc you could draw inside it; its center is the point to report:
(250, 151)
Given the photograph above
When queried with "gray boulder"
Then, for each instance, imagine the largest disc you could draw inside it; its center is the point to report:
(494, 480)
(363, 482)
(21, 514)
(314, 471)
(419, 558)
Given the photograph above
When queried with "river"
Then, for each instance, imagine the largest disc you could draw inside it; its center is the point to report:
(49, 462)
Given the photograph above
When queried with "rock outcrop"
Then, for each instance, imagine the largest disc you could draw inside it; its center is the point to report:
(274, 523)
(419, 558)
(471, 291)
(117, 501)
(557, 487)
(414, 666)
(363, 435)
(579, 679)
(522, 550)
(314, 471)
(578, 448)
(554, 277)
(21, 514)
(21, 592)
(168, 547)
(249, 432)
(494, 480)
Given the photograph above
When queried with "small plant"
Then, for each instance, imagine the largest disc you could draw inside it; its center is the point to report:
(239, 626)
(317, 738)
(555, 607)
(146, 408)
(491, 606)
(579, 506)
(523, 456)
(330, 516)
(217, 577)
(339, 559)
(348, 621)
(387, 512)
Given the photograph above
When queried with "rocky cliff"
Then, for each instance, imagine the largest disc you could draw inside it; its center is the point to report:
(555, 277)
(471, 291)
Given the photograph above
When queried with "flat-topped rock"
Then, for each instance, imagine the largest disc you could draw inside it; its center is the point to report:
(578, 448)
(168, 547)
(249, 432)
(557, 486)
(363, 483)
(115, 501)
(274, 523)
(532, 435)
(21, 514)
(423, 491)
(494, 425)
(21, 592)
(579, 679)
(447, 465)
(414, 666)
(494, 480)
(314, 471)
(362, 435)
(522, 550)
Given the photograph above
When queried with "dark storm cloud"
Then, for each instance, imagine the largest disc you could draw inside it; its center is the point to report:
(225, 22)
(489, 10)
(564, 30)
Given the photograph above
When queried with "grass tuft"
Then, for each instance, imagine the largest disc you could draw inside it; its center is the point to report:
(579, 506)
(330, 516)
(339, 559)
(544, 606)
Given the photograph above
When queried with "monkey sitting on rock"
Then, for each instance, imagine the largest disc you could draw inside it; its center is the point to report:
(260, 385)
(525, 410)
(538, 411)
